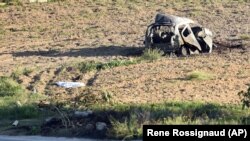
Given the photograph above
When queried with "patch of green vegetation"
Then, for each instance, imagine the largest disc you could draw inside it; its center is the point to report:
(2, 31)
(152, 54)
(92, 65)
(12, 2)
(107, 96)
(88, 66)
(16, 74)
(245, 98)
(245, 36)
(128, 129)
(15, 103)
(148, 55)
(117, 63)
(9, 87)
(127, 120)
(12, 111)
(21, 71)
(199, 75)
(27, 71)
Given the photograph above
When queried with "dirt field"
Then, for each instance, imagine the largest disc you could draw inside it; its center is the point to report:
(44, 37)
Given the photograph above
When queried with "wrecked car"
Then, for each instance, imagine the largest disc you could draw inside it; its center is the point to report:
(179, 35)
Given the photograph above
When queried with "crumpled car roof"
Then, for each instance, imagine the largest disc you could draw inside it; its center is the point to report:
(171, 19)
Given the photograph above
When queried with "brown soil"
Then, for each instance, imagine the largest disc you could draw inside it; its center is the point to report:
(166, 80)
(45, 37)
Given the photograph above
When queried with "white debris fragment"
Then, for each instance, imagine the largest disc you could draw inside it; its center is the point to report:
(15, 123)
(70, 84)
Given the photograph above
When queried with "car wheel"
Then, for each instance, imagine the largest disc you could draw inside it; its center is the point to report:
(184, 51)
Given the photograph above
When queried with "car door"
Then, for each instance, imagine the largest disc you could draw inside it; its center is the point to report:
(188, 37)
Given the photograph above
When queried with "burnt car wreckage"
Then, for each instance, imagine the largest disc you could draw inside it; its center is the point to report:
(178, 35)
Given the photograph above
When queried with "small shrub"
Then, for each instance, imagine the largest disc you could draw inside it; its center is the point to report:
(152, 54)
(9, 87)
(245, 98)
(107, 96)
(198, 75)
(88, 66)
(27, 71)
(21, 71)
(16, 74)
(128, 129)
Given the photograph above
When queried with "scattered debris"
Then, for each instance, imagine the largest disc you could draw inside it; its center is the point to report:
(83, 113)
(70, 84)
(100, 126)
(15, 123)
(180, 35)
